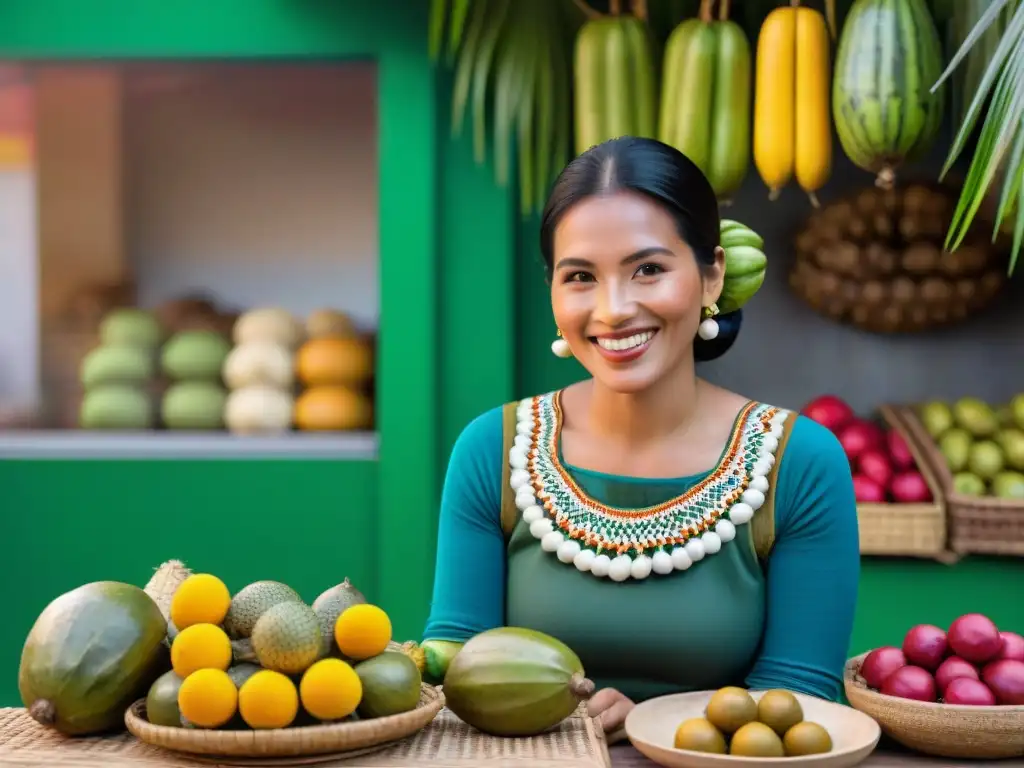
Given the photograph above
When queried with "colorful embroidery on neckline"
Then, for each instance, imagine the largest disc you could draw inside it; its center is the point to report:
(634, 543)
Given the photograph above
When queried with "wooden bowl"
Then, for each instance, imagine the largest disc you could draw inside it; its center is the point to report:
(941, 730)
(651, 726)
(328, 741)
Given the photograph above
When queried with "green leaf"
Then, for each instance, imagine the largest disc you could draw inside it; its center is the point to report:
(1000, 147)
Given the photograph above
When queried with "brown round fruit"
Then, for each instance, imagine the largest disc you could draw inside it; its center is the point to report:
(730, 709)
(806, 738)
(698, 735)
(756, 740)
(779, 710)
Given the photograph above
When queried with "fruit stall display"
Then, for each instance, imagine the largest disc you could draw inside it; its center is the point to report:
(186, 658)
(900, 506)
(972, 666)
(875, 260)
(185, 655)
(977, 450)
(188, 368)
(203, 658)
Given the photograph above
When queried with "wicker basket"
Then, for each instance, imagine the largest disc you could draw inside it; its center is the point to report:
(978, 525)
(906, 530)
(338, 739)
(942, 730)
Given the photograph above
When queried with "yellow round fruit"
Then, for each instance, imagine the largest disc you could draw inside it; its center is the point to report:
(201, 646)
(208, 698)
(268, 699)
(200, 599)
(330, 690)
(362, 632)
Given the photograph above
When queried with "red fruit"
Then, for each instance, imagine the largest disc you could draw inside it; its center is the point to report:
(829, 411)
(966, 691)
(880, 663)
(1013, 646)
(910, 487)
(867, 491)
(859, 436)
(925, 646)
(898, 450)
(974, 638)
(1006, 679)
(874, 464)
(910, 683)
(952, 669)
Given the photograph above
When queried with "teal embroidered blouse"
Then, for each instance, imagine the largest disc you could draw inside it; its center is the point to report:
(727, 620)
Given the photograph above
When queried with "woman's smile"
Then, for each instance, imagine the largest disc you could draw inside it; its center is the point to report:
(624, 346)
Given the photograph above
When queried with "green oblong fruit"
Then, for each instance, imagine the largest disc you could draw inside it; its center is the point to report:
(330, 605)
(889, 55)
(615, 82)
(512, 681)
(162, 700)
(391, 685)
(253, 601)
(737, 291)
(89, 655)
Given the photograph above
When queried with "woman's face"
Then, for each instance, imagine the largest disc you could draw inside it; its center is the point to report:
(626, 290)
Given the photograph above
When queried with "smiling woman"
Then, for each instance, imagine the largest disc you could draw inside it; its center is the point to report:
(676, 535)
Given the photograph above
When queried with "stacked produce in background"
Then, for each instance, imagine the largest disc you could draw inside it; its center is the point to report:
(335, 367)
(195, 398)
(202, 382)
(792, 129)
(874, 259)
(119, 375)
(884, 469)
(971, 664)
(888, 58)
(259, 372)
(706, 95)
(259, 659)
(982, 445)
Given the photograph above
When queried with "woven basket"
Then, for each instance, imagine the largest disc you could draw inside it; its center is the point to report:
(978, 525)
(334, 739)
(906, 530)
(941, 730)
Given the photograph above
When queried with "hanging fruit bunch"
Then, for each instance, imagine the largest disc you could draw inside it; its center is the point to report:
(792, 126)
(875, 260)
(615, 77)
(885, 112)
(706, 95)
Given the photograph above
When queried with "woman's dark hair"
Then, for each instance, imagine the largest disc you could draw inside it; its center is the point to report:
(662, 174)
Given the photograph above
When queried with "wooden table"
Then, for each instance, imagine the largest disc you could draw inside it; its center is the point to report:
(888, 756)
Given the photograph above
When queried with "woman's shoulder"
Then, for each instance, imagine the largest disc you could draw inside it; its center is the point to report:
(814, 475)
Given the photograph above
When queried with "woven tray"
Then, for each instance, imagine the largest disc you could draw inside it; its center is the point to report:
(978, 525)
(446, 743)
(906, 530)
(941, 730)
(335, 739)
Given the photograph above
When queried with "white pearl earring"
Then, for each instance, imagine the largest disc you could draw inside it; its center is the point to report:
(708, 328)
(560, 347)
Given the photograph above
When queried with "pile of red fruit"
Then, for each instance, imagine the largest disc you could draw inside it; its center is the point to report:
(972, 664)
(883, 466)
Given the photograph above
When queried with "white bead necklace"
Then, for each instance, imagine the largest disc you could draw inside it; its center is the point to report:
(634, 543)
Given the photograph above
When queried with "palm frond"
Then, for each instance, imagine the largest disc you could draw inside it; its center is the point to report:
(1000, 148)
(513, 84)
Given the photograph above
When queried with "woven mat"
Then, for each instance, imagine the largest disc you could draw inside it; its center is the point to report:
(445, 743)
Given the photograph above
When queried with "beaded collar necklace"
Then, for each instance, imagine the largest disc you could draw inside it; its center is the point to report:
(621, 543)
